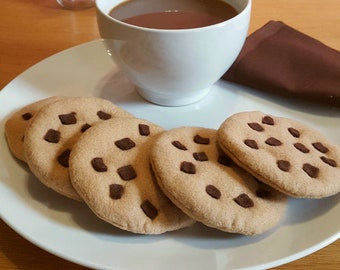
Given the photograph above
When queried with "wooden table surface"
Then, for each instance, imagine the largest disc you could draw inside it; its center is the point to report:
(31, 30)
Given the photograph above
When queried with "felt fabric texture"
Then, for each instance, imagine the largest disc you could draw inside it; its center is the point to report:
(135, 203)
(283, 61)
(18, 122)
(215, 191)
(54, 130)
(289, 155)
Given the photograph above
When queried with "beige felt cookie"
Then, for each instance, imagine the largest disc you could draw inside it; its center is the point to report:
(284, 153)
(110, 169)
(209, 187)
(16, 125)
(53, 131)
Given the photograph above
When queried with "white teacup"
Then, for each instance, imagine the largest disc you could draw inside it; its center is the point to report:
(174, 67)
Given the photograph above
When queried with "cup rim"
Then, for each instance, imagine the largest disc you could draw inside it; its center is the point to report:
(147, 29)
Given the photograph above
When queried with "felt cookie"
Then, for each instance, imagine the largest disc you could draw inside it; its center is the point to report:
(110, 169)
(53, 131)
(284, 153)
(16, 125)
(202, 181)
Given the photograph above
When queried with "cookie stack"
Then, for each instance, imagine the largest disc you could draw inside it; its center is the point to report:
(143, 179)
(90, 150)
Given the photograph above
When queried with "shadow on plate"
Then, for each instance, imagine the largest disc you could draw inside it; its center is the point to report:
(67, 211)
(203, 237)
(303, 210)
(76, 214)
(304, 106)
(114, 86)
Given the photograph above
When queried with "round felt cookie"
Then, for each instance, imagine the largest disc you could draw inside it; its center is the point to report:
(53, 131)
(284, 153)
(202, 181)
(110, 169)
(16, 125)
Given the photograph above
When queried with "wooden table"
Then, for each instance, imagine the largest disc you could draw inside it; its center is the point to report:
(31, 30)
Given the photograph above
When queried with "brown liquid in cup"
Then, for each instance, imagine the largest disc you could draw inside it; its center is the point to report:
(173, 14)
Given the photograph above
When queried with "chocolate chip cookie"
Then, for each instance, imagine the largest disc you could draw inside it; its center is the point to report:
(110, 169)
(208, 186)
(53, 131)
(284, 153)
(16, 125)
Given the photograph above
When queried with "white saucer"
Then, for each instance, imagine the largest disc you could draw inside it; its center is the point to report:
(69, 229)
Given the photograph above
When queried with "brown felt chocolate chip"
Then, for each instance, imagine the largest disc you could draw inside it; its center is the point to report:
(149, 209)
(273, 141)
(85, 127)
(251, 143)
(200, 156)
(116, 191)
(301, 147)
(68, 119)
(268, 120)
(125, 144)
(213, 191)
(256, 126)
(294, 132)
(244, 201)
(103, 115)
(225, 160)
(330, 162)
(98, 164)
(144, 130)
(52, 136)
(283, 165)
(320, 147)
(311, 170)
(27, 116)
(201, 140)
(263, 193)
(188, 167)
(127, 173)
(179, 145)
(64, 158)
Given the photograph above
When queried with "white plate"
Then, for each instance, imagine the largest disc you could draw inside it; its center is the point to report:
(68, 229)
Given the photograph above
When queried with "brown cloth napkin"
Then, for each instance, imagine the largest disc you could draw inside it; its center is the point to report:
(281, 60)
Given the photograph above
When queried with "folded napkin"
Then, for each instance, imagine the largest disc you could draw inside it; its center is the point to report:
(281, 60)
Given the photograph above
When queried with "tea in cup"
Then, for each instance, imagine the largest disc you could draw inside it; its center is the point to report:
(173, 50)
